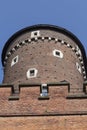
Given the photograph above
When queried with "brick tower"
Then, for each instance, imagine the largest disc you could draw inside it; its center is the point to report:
(45, 80)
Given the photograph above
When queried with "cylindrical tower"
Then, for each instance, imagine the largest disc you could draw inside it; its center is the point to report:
(44, 54)
(45, 80)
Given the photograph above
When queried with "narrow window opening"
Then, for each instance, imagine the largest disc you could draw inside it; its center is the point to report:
(14, 60)
(78, 67)
(58, 53)
(35, 34)
(32, 73)
(44, 90)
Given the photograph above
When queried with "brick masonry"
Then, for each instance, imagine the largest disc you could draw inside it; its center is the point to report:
(66, 107)
(49, 67)
(44, 123)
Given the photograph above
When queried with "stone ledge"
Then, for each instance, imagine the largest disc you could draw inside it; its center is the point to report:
(77, 96)
(43, 98)
(13, 97)
(69, 113)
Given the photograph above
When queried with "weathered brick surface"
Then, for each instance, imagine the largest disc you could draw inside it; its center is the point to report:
(28, 103)
(39, 55)
(44, 123)
(59, 112)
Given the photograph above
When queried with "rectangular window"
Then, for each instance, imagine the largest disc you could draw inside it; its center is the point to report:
(57, 53)
(44, 92)
(35, 34)
(32, 73)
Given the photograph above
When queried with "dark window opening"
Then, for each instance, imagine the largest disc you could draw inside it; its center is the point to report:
(32, 72)
(44, 92)
(57, 53)
(15, 60)
(35, 33)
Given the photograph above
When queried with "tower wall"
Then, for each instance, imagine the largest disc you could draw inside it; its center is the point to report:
(45, 123)
(44, 85)
(39, 54)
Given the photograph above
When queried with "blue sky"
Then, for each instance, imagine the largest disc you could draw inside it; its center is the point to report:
(18, 14)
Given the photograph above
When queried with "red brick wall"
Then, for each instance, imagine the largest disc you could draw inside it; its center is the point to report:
(44, 123)
(29, 104)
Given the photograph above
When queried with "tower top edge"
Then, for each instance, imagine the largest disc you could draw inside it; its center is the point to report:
(46, 27)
